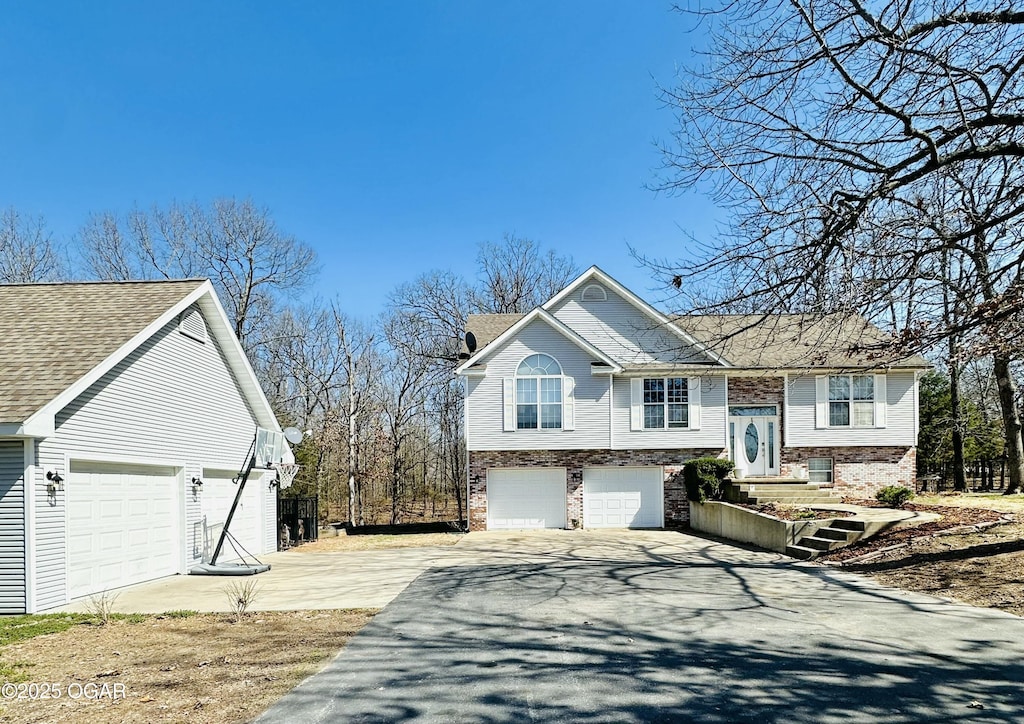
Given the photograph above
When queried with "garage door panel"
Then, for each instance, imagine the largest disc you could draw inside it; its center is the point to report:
(526, 498)
(124, 526)
(626, 497)
(218, 494)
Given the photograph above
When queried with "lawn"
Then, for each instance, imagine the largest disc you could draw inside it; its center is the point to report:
(175, 667)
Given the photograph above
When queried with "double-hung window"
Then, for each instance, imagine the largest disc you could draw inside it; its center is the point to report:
(851, 401)
(666, 403)
(539, 393)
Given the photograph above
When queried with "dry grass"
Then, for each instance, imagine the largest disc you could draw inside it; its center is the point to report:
(200, 668)
(379, 542)
(991, 501)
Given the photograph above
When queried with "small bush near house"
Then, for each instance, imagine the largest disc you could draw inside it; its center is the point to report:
(894, 496)
(703, 478)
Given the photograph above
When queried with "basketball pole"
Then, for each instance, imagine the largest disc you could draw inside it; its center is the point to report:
(243, 478)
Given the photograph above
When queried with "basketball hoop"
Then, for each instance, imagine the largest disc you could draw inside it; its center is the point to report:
(285, 473)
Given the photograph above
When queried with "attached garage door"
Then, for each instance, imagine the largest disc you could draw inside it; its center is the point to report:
(520, 498)
(123, 526)
(622, 498)
(217, 495)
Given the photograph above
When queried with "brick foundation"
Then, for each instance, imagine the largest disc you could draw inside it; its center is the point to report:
(677, 510)
(858, 472)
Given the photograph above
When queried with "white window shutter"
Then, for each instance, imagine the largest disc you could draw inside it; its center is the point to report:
(568, 403)
(881, 401)
(636, 404)
(509, 395)
(821, 401)
(693, 390)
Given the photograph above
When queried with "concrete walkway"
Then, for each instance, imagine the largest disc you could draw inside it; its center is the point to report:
(657, 626)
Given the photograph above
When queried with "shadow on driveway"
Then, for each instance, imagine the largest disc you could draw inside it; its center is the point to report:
(697, 631)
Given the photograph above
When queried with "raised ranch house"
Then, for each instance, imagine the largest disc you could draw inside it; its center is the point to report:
(581, 412)
(126, 408)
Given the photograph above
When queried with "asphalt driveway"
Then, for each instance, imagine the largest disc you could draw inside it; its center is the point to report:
(659, 626)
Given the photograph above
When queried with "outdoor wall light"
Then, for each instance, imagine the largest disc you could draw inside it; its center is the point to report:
(54, 481)
(197, 485)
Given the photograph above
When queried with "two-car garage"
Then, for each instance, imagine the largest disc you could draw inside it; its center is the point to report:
(612, 497)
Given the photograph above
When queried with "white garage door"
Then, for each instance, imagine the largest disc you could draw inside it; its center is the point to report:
(246, 526)
(123, 525)
(520, 498)
(622, 498)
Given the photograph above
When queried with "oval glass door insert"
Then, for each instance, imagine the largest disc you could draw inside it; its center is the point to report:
(750, 441)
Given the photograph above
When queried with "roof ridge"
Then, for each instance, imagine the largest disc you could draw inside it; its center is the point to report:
(99, 282)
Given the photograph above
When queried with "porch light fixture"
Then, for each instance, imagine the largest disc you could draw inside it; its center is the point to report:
(54, 481)
(197, 485)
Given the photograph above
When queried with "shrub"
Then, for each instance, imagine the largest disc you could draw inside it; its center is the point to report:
(703, 478)
(894, 496)
(241, 595)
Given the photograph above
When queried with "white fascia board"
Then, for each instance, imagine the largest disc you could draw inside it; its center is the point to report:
(595, 272)
(36, 428)
(42, 423)
(556, 324)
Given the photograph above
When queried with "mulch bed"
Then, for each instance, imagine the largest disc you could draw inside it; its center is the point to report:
(954, 519)
(790, 512)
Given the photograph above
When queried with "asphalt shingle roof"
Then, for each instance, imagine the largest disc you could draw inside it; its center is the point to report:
(748, 341)
(51, 335)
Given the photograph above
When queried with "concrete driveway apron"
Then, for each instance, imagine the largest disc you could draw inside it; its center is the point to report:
(660, 626)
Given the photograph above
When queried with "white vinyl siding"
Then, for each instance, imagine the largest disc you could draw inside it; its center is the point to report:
(171, 402)
(12, 526)
(706, 412)
(622, 331)
(490, 401)
(806, 414)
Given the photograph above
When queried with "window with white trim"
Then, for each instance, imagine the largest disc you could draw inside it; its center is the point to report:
(851, 400)
(819, 470)
(539, 393)
(666, 403)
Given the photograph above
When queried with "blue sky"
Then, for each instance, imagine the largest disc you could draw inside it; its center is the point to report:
(391, 136)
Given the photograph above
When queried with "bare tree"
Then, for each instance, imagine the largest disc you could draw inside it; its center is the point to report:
(27, 251)
(863, 150)
(236, 244)
(516, 276)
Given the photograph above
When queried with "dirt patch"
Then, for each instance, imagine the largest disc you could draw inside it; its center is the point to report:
(204, 668)
(378, 542)
(974, 554)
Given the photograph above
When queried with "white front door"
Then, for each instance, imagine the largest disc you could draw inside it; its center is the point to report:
(755, 444)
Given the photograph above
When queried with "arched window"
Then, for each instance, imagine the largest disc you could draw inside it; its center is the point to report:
(539, 393)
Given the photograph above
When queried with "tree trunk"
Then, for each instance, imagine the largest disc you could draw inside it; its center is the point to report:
(1011, 424)
(959, 476)
(351, 451)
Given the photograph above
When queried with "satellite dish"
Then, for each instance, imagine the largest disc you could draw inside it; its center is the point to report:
(293, 435)
(471, 342)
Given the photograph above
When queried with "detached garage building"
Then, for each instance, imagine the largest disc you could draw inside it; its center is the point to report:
(125, 410)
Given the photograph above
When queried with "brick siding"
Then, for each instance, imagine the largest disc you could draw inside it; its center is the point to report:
(858, 472)
(677, 510)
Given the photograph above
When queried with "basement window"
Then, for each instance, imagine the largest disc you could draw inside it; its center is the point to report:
(192, 325)
(819, 470)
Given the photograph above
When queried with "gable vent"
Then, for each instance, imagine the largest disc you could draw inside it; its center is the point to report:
(594, 293)
(191, 324)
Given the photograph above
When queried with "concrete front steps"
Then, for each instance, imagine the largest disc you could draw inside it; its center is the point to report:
(755, 491)
(840, 533)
